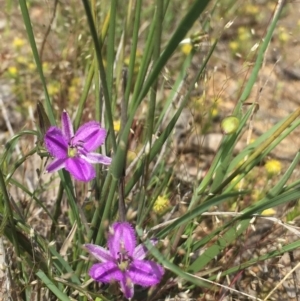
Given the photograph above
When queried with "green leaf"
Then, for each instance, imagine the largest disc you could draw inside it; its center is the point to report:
(52, 287)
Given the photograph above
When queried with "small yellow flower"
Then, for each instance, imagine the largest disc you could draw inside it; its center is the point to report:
(214, 111)
(137, 62)
(252, 9)
(18, 43)
(257, 195)
(89, 206)
(22, 60)
(45, 67)
(72, 93)
(283, 35)
(161, 204)
(117, 125)
(89, 209)
(53, 88)
(131, 155)
(75, 81)
(243, 34)
(234, 46)
(31, 66)
(13, 71)
(269, 211)
(273, 167)
(186, 48)
(239, 185)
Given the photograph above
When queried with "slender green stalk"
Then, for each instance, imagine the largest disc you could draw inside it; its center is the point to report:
(102, 72)
(157, 146)
(100, 207)
(260, 56)
(143, 67)
(7, 218)
(187, 22)
(27, 22)
(84, 95)
(57, 210)
(111, 48)
(196, 9)
(134, 42)
(19, 163)
(107, 214)
(242, 266)
(153, 92)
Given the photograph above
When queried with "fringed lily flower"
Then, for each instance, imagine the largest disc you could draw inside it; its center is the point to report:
(124, 262)
(75, 152)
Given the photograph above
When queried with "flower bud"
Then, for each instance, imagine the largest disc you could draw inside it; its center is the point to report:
(230, 125)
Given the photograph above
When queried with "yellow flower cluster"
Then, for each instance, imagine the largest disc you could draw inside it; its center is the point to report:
(273, 167)
(18, 43)
(242, 42)
(283, 35)
(12, 71)
(161, 205)
(251, 9)
(53, 88)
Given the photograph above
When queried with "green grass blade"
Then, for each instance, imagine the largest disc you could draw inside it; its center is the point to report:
(106, 94)
(134, 43)
(170, 266)
(31, 38)
(196, 212)
(226, 147)
(254, 145)
(261, 149)
(260, 57)
(196, 9)
(187, 22)
(52, 287)
(157, 146)
(287, 248)
(111, 47)
(226, 239)
(84, 95)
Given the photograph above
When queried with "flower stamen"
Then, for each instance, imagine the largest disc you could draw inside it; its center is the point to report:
(72, 151)
(123, 260)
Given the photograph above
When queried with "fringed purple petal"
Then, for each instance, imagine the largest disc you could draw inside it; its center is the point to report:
(56, 143)
(91, 135)
(145, 272)
(99, 253)
(56, 165)
(80, 169)
(67, 126)
(127, 287)
(97, 158)
(121, 239)
(141, 251)
(106, 272)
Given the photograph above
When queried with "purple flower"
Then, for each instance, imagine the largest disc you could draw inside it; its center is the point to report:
(74, 152)
(123, 262)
